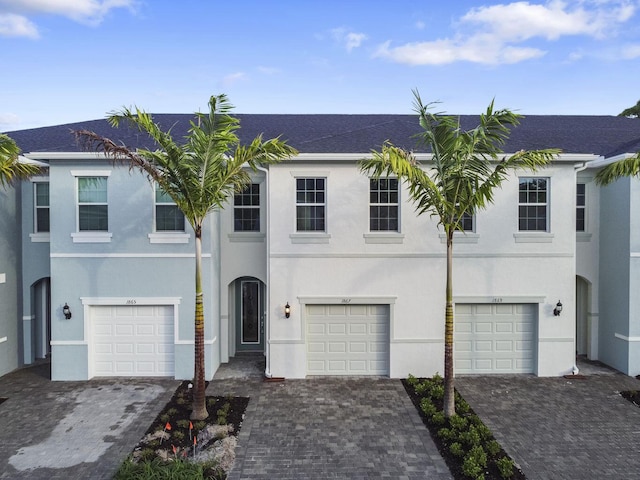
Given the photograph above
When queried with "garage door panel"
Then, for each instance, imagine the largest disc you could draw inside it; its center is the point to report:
(495, 338)
(357, 347)
(133, 341)
(347, 340)
(358, 329)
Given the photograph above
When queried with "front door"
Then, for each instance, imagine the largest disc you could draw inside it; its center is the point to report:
(250, 325)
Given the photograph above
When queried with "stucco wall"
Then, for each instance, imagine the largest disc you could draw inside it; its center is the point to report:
(614, 274)
(10, 279)
(500, 263)
(128, 267)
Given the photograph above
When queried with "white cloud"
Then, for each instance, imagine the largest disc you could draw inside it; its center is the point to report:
(233, 78)
(349, 40)
(495, 34)
(631, 51)
(12, 25)
(268, 70)
(9, 119)
(88, 12)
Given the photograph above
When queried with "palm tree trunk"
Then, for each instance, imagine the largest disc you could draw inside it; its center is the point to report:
(449, 392)
(199, 407)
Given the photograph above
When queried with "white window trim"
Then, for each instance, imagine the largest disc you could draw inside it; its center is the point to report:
(383, 237)
(583, 208)
(466, 236)
(523, 234)
(241, 234)
(389, 204)
(309, 234)
(169, 237)
(39, 237)
(89, 236)
(36, 208)
(166, 236)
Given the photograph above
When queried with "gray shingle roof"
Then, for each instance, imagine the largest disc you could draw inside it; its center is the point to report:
(600, 135)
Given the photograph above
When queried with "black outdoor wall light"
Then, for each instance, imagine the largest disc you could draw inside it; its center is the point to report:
(558, 309)
(287, 310)
(67, 311)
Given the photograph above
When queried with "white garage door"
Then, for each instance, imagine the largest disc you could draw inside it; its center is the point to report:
(133, 340)
(495, 338)
(347, 339)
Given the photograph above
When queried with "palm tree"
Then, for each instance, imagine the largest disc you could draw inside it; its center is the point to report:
(628, 167)
(10, 168)
(466, 168)
(199, 175)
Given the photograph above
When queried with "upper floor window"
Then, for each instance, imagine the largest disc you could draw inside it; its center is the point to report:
(533, 204)
(580, 207)
(310, 204)
(383, 205)
(246, 209)
(169, 218)
(41, 207)
(467, 222)
(92, 204)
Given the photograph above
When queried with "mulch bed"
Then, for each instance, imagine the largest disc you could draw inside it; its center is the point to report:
(633, 396)
(173, 435)
(455, 463)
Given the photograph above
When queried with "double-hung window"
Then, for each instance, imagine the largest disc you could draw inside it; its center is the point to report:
(383, 205)
(311, 204)
(533, 204)
(580, 207)
(41, 207)
(467, 222)
(93, 213)
(246, 209)
(169, 218)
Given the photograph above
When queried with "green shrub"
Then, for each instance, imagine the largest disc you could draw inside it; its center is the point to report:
(437, 392)
(505, 466)
(483, 431)
(423, 387)
(179, 436)
(493, 448)
(446, 434)
(438, 418)
(165, 417)
(471, 437)
(427, 407)
(183, 423)
(458, 423)
(462, 407)
(200, 424)
(456, 449)
(474, 463)
(437, 379)
(411, 380)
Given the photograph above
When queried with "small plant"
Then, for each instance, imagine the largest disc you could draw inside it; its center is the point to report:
(178, 436)
(437, 378)
(412, 381)
(183, 423)
(505, 466)
(172, 412)
(475, 463)
(456, 449)
(446, 434)
(147, 454)
(211, 402)
(200, 424)
(438, 418)
(493, 448)
(437, 392)
(471, 437)
(427, 407)
(458, 423)
(165, 417)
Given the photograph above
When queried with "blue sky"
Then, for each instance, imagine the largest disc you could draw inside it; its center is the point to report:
(72, 60)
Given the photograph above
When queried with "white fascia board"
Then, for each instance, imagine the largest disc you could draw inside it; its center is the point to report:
(603, 162)
(31, 161)
(66, 156)
(426, 157)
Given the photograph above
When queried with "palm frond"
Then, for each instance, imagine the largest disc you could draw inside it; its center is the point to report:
(628, 167)
(11, 169)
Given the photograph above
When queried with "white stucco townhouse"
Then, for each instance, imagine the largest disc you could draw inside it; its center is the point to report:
(317, 266)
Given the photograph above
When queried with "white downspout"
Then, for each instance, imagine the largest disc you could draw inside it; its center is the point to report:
(267, 322)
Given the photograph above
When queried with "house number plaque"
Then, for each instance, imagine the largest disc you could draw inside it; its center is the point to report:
(131, 301)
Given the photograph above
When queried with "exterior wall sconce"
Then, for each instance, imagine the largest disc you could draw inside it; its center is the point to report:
(67, 311)
(287, 310)
(558, 309)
